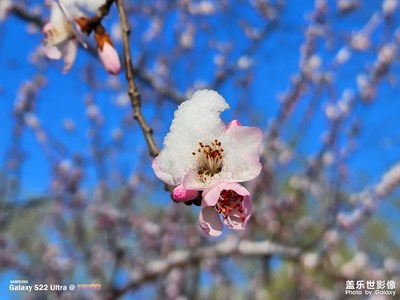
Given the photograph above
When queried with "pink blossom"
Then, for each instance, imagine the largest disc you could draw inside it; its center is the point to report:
(215, 160)
(228, 199)
(200, 150)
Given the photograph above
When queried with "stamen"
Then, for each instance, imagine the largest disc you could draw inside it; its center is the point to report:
(209, 160)
(230, 204)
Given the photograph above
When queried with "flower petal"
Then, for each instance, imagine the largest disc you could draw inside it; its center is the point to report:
(57, 16)
(47, 28)
(164, 176)
(248, 209)
(242, 158)
(210, 222)
(181, 194)
(238, 188)
(69, 51)
(212, 193)
(234, 222)
(52, 52)
(71, 11)
(191, 181)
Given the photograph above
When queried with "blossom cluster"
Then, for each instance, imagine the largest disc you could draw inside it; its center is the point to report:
(205, 159)
(69, 23)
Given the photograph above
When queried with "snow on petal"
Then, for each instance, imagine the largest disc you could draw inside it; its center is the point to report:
(195, 121)
(200, 150)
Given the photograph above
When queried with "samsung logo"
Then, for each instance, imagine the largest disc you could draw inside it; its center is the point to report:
(19, 281)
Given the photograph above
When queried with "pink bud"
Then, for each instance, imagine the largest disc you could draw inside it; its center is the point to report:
(181, 194)
(109, 57)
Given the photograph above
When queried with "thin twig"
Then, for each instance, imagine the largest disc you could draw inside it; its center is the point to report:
(133, 91)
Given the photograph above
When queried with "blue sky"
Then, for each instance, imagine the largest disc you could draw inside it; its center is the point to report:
(63, 96)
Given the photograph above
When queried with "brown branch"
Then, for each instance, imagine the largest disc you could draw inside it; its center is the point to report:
(91, 24)
(183, 258)
(102, 12)
(133, 91)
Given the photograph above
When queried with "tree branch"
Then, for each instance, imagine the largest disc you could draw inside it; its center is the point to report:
(133, 91)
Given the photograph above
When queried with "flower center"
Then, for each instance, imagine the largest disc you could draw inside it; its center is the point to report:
(55, 36)
(230, 205)
(209, 160)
